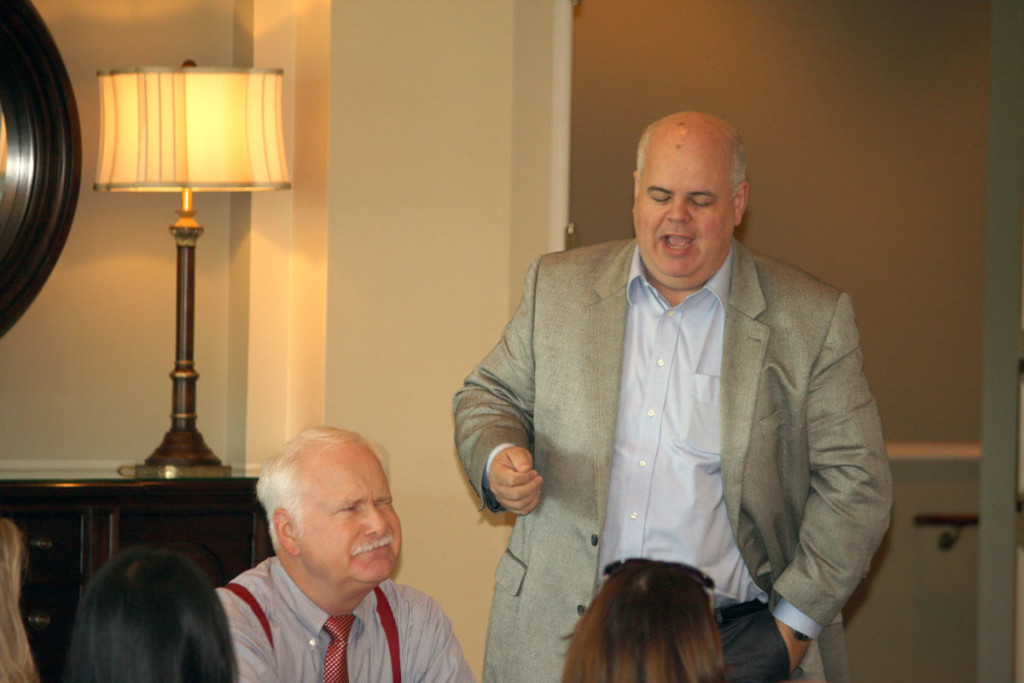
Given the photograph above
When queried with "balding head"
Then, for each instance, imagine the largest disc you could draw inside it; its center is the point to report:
(688, 196)
(711, 128)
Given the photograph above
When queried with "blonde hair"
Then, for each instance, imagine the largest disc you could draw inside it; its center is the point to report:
(16, 661)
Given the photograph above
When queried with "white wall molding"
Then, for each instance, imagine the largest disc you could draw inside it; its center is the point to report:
(37, 468)
(934, 450)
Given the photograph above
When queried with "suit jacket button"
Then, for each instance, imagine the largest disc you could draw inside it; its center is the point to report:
(593, 540)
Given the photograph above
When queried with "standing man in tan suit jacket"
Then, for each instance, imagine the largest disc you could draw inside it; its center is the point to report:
(680, 398)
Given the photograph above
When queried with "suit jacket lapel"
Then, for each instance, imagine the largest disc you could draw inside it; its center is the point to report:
(744, 345)
(608, 316)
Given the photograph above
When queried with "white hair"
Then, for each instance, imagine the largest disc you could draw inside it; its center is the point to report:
(280, 485)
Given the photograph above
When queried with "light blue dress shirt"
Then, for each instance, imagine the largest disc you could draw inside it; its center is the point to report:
(429, 650)
(665, 497)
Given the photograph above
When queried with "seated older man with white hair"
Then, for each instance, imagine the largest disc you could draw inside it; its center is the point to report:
(324, 609)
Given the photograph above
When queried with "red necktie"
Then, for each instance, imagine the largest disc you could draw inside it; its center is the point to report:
(336, 664)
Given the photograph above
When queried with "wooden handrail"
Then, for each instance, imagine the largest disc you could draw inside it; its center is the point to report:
(947, 539)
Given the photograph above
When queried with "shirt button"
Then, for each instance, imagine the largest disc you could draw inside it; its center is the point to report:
(650, 413)
(312, 643)
(579, 610)
(593, 540)
(632, 515)
(671, 314)
(661, 361)
(643, 463)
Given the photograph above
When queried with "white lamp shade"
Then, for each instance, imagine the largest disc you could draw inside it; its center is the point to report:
(210, 129)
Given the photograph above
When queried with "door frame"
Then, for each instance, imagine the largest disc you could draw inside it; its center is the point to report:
(997, 546)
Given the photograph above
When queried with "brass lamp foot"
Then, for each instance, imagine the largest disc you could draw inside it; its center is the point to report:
(182, 454)
(176, 472)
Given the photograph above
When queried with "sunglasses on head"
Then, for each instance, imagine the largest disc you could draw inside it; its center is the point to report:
(699, 577)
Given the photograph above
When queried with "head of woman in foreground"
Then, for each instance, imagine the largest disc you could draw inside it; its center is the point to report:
(150, 615)
(651, 622)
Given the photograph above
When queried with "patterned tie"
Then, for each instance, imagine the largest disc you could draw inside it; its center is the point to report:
(336, 664)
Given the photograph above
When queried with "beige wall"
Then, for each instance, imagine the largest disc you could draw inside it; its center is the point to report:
(418, 262)
(443, 126)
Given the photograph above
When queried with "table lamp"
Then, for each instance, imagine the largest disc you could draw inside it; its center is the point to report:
(186, 130)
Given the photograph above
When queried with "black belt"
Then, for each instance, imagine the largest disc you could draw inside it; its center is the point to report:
(740, 610)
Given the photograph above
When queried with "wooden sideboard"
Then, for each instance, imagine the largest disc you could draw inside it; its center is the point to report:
(73, 527)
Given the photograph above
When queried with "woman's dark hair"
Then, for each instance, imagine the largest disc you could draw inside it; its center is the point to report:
(150, 615)
(650, 623)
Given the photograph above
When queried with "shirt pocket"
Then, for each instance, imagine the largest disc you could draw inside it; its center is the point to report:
(705, 429)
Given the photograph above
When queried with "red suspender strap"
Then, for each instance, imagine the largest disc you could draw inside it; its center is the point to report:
(387, 620)
(243, 592)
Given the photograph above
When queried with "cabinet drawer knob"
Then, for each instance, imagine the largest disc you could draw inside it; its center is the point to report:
(38, 620)
(40, 543)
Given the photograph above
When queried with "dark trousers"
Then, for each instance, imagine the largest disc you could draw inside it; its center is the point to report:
(753, 646)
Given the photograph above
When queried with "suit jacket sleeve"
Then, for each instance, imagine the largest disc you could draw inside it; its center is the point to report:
(847, 501)
(495, 405)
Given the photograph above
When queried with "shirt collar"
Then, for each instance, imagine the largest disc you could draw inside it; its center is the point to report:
(309, 615)
(719, 284)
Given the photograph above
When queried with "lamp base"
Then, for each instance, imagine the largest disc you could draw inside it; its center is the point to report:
(182, 454)
(185, 472)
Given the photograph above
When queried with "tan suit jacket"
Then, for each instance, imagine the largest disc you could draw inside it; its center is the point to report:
(806, 477)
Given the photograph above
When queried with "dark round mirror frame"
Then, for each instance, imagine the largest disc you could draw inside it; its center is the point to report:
(40, 190)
